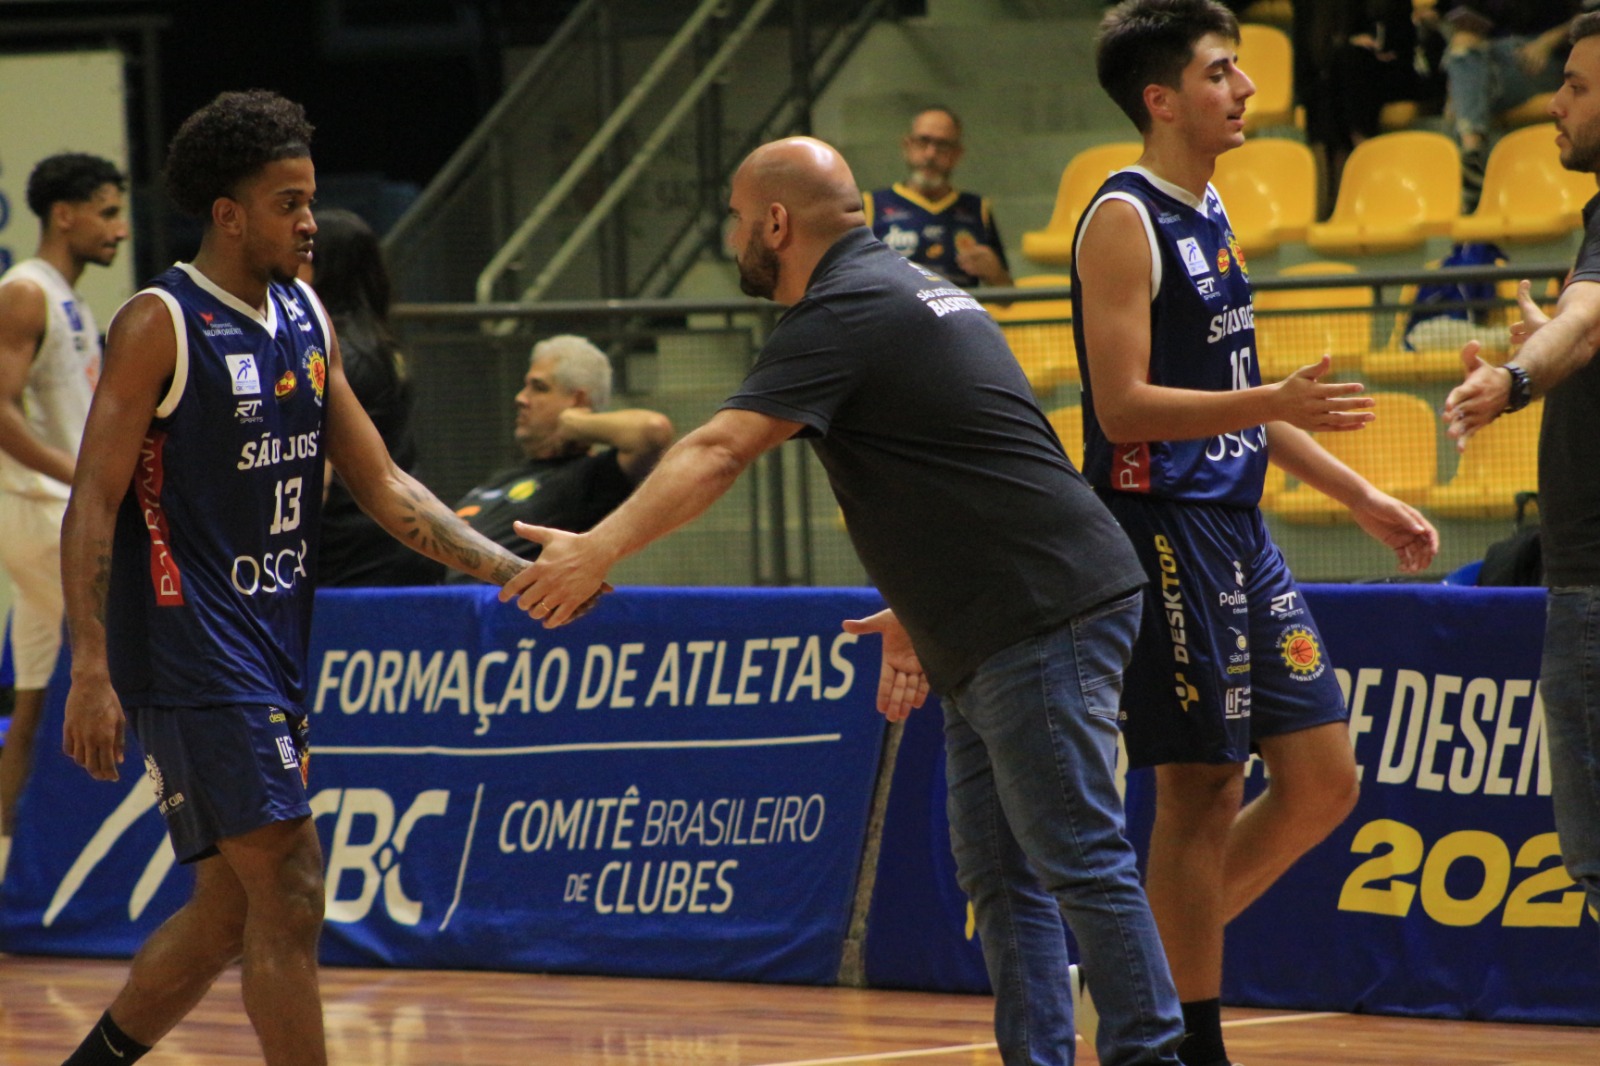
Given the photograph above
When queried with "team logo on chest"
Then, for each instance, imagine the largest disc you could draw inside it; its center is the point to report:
(1238, 253)
(316, 367)
(286, 385)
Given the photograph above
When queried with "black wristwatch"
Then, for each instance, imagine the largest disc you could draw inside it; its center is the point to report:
(1521, 387)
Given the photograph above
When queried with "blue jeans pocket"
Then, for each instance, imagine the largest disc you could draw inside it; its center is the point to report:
(1103, 637)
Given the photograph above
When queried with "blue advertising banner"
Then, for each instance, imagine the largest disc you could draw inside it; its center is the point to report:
(920, 933)
(1441, 895)
(675, 786)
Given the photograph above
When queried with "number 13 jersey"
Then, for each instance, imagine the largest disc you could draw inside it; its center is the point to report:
(215, 554)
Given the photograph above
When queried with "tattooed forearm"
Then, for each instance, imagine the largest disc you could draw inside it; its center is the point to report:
(506, 569)
(100, 584)
(433, 530)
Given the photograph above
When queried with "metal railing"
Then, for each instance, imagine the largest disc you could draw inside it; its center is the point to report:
(781, 526)
(590, 161)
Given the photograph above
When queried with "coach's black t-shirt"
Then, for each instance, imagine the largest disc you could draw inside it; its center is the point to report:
(965, 511)
(1569, 491)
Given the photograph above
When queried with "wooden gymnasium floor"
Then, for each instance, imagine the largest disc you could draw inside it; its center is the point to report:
(429, 1018)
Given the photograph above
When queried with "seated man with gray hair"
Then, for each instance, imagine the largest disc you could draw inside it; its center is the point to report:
(581, 460)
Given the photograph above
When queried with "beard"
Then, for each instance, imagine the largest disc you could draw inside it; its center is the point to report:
(928, 179)
(1583, 152)
(758, 270)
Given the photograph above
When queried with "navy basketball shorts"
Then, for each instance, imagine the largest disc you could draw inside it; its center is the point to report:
(223, 771)
(1227, 653)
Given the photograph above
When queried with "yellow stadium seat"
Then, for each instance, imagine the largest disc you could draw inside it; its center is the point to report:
(1082, 176)
(1277, 12)
(1398, 115)
(1266, 55)
(1269, 188)
(1287, 342)
(1501, 460)
(1398, 453)
(1393, 364)
(1040, 334)
(1527, 194)
(1068, 423)
(1397, 190)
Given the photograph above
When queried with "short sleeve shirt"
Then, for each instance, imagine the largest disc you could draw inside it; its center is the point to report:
(1569, 492)
(572, 493)
(964, 509)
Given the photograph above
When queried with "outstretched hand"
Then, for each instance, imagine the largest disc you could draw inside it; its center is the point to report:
(1304, 400)
(564, 583)
(902, 685)
(1479, 399)
(1533, 315)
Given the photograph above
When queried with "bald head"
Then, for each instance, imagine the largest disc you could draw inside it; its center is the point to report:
(809, 178)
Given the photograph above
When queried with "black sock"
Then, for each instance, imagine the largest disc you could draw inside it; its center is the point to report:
(107, 1045)
(1202, 1041)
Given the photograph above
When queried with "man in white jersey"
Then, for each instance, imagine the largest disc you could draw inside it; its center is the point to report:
(49, 360)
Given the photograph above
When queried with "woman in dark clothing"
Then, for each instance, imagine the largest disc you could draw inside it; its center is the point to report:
(353, 284)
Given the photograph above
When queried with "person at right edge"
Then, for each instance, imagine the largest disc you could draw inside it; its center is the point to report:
(1177, 434)
(1556, 362)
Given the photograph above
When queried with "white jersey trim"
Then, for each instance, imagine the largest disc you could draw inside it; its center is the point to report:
(268, 322)
(320, 311)
(1149, 234)
(180, 363)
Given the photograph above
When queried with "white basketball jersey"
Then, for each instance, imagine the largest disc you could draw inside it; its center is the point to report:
(55, 398)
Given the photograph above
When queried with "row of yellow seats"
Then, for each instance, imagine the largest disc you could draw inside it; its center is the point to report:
(1398, 189)
(1290, 333)
(1398, 452)
(1294, 327)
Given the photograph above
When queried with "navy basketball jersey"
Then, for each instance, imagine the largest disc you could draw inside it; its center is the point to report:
(1202, 336)
(214, 558)
(933, 232)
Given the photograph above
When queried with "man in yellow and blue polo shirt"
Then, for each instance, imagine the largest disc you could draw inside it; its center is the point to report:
(930, 222)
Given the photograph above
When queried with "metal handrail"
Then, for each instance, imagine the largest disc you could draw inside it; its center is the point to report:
(696, 232)
(623, 183)
(592, 151)
(397, 242)
(733, 305)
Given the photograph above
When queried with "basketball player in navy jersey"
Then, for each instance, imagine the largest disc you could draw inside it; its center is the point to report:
(1228, 660)
(188, 562)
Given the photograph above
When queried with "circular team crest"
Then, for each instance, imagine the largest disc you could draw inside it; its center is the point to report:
(316, 365)
(1238, 253)
(1301, 653)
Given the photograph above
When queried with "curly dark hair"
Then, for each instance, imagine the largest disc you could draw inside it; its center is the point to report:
(227, 141)
(72, 178)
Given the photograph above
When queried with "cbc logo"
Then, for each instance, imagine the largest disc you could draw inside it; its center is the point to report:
(375, 856)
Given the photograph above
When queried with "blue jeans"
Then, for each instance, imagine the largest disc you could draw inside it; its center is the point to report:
(1037, 829)
(1486, 79)
(1570, 685)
